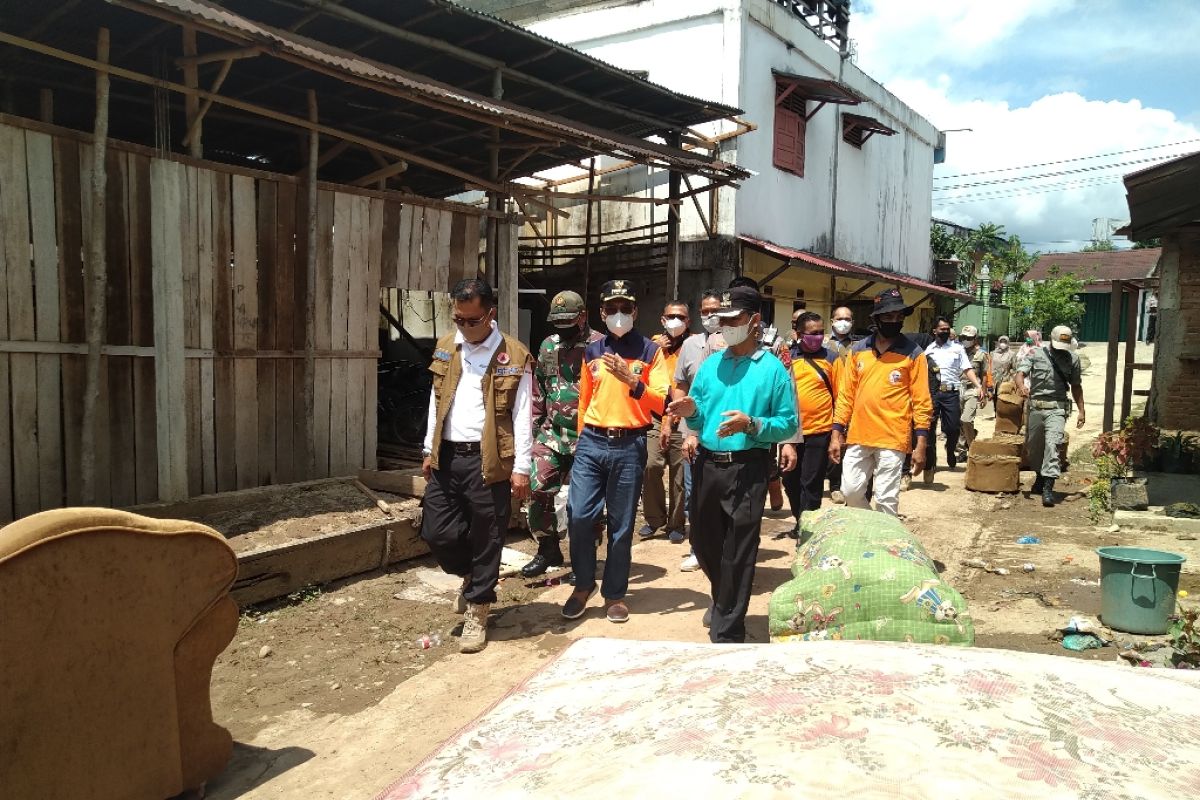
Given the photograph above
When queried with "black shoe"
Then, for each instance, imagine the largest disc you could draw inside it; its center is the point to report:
(1048, 493)
(1039, 483)
(951, 461)
(549, 555)
(708, 617)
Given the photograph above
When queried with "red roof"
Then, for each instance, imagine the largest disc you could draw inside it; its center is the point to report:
(1114, 265)
(836, 266)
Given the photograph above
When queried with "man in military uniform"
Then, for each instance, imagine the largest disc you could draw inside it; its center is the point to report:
(968, 397)
(1044, 375)
(555, 422)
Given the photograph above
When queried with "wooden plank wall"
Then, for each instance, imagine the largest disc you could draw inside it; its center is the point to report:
(209, 399)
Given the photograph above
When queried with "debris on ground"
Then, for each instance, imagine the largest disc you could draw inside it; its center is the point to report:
(1029, 539)
(1183, 510)
(986, 566)
(1080, 634)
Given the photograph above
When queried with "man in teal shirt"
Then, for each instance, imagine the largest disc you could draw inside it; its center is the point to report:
(741, 403)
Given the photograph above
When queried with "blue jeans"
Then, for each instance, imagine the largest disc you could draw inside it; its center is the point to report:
(606, 472)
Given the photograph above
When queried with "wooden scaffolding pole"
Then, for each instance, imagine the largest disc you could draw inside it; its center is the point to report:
(1131, 337)
(587, 232)
(191, 103)
(673, 215)
(310, 302)
(1110, 374)
(97, 277)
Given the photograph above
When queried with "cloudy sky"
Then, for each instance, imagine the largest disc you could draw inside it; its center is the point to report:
(1040, 82)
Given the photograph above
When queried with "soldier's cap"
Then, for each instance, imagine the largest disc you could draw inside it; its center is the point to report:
(738, 299)
(617, 290)
(565, 307)
(1060, 337)
(969, 332)
(888, 301)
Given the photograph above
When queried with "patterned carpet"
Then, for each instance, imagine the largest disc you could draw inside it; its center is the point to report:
(626, 719)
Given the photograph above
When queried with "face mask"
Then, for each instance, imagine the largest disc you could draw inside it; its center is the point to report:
(890, 330)
(711, 322)
(619, 324)
(841, 326)
(674, 327)
(943, 336)
(568, 333)
(1029, 341)
(735, 335)
(811, 342)
(1002, 346)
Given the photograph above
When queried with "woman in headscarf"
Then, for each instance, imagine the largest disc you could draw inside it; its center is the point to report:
(1004, 359)
(1032, 339)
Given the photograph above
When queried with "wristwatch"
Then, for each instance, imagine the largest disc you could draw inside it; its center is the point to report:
(752, 427)
(426, 452)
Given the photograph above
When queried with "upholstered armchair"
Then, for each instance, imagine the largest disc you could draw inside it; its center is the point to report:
(109, 626)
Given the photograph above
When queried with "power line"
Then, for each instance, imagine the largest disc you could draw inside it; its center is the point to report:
(1084, 181)
(1019, 178)
(983, 198)
(1063, 161)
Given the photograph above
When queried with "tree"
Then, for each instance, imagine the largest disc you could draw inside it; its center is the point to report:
(1054, 301)
(944, 244)
(1147, 243)
(1100, 246)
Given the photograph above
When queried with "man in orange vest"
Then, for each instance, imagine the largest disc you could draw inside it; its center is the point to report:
(477, 451)
(815, 372)
(883, 400)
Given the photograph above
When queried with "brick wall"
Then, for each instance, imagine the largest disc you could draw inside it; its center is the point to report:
(1176, 391)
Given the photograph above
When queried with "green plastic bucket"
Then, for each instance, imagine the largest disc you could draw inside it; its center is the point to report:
(1137, 588)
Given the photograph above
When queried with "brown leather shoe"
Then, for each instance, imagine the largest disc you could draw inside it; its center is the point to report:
(576, 604)
(617, 611)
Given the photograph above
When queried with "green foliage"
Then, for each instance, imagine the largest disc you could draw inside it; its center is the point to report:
(1184, 635)
(1099, 494)
(1100, 246)
(1041, 306)
(1012, 261)
(945, 244)
(1146, 243)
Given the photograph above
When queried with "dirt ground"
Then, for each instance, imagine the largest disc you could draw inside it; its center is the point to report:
(345, 701)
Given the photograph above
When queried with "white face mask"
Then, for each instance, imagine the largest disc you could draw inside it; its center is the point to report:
(674, 326)
(736, 334)
(842, 326)
(619, 324)
(711, 322)
(1002, 346)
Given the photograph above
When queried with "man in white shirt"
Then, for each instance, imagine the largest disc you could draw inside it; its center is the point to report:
(955, 367)
(477, 451)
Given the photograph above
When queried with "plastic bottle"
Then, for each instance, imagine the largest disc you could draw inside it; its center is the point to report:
(429, 640)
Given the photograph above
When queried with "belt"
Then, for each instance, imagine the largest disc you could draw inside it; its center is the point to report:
(462, 448)
(735, 456)
(947, 387)
(1048, 404)
(615, 433)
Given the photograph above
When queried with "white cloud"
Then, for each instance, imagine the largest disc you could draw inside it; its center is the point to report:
(902, 44)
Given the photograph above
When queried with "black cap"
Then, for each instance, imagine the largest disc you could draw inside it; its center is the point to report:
(738, 299)
(617, 290)
(888, 301)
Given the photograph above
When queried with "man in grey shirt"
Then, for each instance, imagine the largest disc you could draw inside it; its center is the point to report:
(1051, 372)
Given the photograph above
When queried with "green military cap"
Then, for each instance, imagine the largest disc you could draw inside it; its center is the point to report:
(565, 307)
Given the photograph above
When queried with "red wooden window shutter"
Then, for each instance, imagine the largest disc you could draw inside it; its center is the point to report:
(790, 125)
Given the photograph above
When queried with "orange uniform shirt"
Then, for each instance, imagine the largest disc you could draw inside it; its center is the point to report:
(815, 397)
(605, 401)
(883, 398)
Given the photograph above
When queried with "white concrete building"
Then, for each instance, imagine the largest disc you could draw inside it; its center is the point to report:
(840, 202)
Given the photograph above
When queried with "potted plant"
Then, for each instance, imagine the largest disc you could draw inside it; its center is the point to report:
(1117, 454)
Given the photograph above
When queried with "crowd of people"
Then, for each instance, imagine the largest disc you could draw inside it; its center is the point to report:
(732, 417)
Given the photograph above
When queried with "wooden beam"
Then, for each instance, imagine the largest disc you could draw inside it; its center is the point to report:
(699, 211)
(383, 173)
(193, 130)
(673, 218)
(1131, 338)
(865, 287)
(922, 300)
(407, 482)
(97, 277)
(191, 103)
(587, 232)
(776, 273)
(310, 305)
(1110, 375)
(46, 106)
(191, 59)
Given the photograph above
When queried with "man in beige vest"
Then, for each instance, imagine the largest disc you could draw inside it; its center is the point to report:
(477, 451)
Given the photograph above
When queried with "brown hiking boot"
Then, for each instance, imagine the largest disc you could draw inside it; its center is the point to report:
(474, 632)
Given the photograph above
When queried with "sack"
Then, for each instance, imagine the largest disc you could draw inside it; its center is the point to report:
(860, 574)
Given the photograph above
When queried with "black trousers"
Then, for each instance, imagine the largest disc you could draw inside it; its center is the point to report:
(947, 411)
(465, 522)
(805, 485)
(726, 518)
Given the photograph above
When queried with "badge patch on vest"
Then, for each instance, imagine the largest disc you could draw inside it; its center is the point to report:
(504, 372)
(636, 369)
(595, 368)
(442, 355)
(502, 358)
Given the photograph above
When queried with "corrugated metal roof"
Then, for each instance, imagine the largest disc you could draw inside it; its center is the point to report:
(1115, 265)
(836, 266)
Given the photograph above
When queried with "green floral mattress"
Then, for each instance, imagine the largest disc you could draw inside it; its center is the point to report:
(860, 574)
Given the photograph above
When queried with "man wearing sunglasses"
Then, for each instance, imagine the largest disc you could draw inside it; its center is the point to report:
(477, 451)
(622, 386)
(665, 443)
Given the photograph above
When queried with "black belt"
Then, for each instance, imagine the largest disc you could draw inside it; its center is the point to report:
(735, 456)
(615, 433)
(462, 448)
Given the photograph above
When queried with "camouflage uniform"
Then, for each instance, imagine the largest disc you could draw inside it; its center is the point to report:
(555, 415)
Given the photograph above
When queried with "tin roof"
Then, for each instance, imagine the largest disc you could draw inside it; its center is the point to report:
(1113, 265)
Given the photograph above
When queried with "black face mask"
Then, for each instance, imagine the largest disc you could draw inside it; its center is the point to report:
(890, 330)
(942, 336)
(569, 334)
